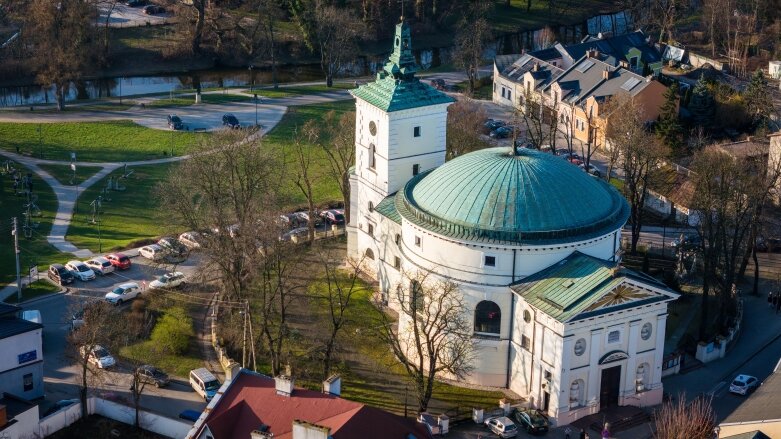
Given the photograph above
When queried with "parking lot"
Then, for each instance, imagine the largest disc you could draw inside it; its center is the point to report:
(126, 16)
(61, 375)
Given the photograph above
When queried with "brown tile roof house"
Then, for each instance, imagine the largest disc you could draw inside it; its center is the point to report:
(250, 406)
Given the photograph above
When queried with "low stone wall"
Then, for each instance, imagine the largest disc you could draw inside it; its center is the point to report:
(718, 348)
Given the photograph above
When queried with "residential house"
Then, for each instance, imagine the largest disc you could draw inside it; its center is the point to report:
(18, 418)
(254, 406)
(21, 365)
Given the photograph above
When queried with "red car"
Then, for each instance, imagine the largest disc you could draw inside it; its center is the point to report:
(119, 260)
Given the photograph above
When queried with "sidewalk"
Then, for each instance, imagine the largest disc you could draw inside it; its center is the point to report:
(761, 325)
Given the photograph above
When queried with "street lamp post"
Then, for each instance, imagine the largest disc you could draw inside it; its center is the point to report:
(256, 109)
(252, 78)
(120, 91)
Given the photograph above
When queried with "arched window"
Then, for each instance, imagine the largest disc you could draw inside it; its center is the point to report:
(372, 156)
(415, 296)
(577, 391)
(488, 317)
(369, 253)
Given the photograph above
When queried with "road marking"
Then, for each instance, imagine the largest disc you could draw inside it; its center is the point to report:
(716, 388)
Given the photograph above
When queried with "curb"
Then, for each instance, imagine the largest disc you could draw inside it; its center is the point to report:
(751, 357)
(43, 297)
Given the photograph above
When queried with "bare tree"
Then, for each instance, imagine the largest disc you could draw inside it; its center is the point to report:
(96, 332)
(336, 294)
(229, 185)
(306, 175)
(197, 10)
(641, 155)
(474, 32)
(336, 33)
(432, 336)
(61, 37)
(337, 139)
(694, 419)
(465, 119)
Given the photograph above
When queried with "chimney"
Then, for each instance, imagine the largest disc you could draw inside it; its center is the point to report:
(592, 53)
(284, 385)
(305, 430)
(623, 63)
(234, 369)
(536, 67)
(259, 434)
(606, 73)
(333, 385)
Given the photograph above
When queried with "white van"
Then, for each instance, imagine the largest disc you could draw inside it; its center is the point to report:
(204, 383)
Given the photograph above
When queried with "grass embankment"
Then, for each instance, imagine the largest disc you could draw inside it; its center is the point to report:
(128, 216)
(189, 99)
(64, 174)
(36, 289)
(134, 215)
(35, 250)
(114, 141)
(286, 92)
(370, 373)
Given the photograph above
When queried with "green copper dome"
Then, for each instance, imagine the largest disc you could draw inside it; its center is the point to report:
(528, 197)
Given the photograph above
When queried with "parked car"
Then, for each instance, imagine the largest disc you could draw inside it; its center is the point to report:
(77, 318)
(168, 280)
(744, 384)
(230, 121)
(80, 270)
(502, 132)
(438, 83)
(172, 246)
(153, 252)
(291, 220)
(591, 170)
(333, 216)
(533, 421)
(152, 10)
(32, 315)
(152, 375)
(174, 122)
(204, 383)
(100, 265)
(502, 426)
(686, 241)
(575, 161)
(99, 356)
(123, 293)
(773, 245)
(119, 260)
(59, 274)
(191, 240)
(135, 3)
(491, 125)
(304, 216)
(301, 233)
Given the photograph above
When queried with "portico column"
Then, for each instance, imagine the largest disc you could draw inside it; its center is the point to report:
(593, 369)
(656, 373)
(631, 362)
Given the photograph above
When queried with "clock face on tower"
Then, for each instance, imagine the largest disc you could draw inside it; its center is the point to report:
(373, 128)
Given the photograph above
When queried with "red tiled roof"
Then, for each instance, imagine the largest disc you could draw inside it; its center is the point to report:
(252, 401)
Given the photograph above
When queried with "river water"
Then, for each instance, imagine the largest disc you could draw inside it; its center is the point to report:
(616, 23)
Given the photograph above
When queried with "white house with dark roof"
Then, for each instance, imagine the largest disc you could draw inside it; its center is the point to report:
(531, 241)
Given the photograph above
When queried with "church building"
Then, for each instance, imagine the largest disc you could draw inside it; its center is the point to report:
(532, 242)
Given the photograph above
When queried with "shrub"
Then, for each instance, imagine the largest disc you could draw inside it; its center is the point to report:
(173, 331)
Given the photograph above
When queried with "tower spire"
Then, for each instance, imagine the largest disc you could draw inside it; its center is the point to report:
(401, 63)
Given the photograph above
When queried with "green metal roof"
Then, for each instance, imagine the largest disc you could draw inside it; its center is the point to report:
(396, 87)
(573, 286)
(387, 208)
(530, 197)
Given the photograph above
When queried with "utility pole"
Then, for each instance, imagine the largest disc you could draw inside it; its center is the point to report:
(244, 341)
(15, 232)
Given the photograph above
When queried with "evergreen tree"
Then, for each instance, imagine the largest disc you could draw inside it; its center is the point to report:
(758, 103)
(701, 106)
(669, 128)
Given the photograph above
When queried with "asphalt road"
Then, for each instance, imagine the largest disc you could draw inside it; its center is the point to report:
(61, 374)
(125, 16)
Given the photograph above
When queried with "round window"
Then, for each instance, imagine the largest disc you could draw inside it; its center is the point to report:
(645, 331)
(527, 317)
(580, 346)
(373, 128)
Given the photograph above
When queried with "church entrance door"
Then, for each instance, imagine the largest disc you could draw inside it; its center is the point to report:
(610, 387)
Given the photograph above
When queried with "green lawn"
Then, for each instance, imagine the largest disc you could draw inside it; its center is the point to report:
(129, 216)
(113, 141)
(285, 92)
(184, 101)
(64, 174)
(39, 288)
(176, 365)
(281, 137)
(35, 250)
